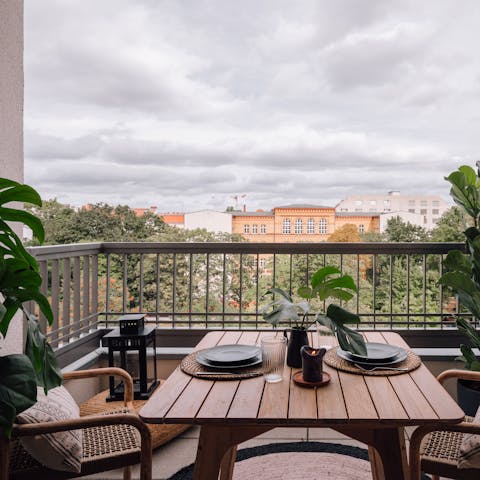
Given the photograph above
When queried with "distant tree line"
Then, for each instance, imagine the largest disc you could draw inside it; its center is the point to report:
(179, 283)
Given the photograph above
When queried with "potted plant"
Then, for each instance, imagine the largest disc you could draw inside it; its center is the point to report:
(463, 277)
(19, 283)
(327, 282)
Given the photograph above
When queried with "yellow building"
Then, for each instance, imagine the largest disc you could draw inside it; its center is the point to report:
(299, 223)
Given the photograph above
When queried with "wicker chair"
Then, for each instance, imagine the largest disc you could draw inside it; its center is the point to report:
(435, 451)
(110, 440)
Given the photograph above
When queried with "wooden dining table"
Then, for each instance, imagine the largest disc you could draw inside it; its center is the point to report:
(372, 409)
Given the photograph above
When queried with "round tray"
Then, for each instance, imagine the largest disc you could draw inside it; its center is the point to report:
(298, 379)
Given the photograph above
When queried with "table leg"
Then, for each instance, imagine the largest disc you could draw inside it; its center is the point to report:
(217, 449)
(228, 462)
(387, 451)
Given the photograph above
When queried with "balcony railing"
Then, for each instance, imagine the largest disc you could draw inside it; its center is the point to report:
(212, 285)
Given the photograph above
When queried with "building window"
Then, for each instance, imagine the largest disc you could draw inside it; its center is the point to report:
(246, 229)
(311, 225)
(344, 209)
(386, 203)
(435, 211)
(254, 229)
(423, 203)
(411, 210)
(423, 211)
(322, 226)
(372, 209)
(411, 203)
(358, 209)
(263, 228)
(435, 219)
(424, 219)
(361, 229)
(435, 203)
(298, 226)
(262, 263)
(286, 225)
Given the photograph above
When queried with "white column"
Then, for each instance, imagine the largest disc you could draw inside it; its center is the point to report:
(11, 119)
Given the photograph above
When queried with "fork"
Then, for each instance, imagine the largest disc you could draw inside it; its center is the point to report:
(398, 369)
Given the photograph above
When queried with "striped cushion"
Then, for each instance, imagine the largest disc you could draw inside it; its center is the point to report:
(60, 450)
(470, 448)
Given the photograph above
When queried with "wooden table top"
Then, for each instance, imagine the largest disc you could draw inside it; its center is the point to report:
(412, 398)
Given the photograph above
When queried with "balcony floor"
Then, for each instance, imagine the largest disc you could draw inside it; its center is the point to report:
(180, 452)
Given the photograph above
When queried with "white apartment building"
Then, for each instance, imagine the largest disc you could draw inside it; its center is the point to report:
(210, 220)
(423, 210)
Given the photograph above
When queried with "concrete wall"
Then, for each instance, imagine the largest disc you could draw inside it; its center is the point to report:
(212, 221)
(11, 118)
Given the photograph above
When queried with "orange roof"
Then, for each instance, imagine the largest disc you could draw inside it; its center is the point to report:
(172, 218)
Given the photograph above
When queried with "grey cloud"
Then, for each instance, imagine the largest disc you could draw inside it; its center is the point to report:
(189, 103)
(47, 147)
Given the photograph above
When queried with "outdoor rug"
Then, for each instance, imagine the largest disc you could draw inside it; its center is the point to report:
(297, 461)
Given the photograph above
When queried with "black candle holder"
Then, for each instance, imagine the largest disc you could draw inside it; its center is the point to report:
(312, 363)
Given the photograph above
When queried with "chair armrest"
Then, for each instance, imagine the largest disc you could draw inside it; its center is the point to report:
(419, 434)
(21, 430)
(96, 372)
(463, 374)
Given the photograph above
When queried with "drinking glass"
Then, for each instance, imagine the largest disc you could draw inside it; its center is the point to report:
(273, 358)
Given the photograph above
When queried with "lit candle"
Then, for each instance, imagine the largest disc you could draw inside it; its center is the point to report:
(312, 363)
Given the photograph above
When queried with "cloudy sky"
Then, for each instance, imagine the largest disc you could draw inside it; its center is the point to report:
(184, 104)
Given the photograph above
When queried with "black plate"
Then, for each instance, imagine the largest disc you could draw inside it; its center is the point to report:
(250, 363)
(230, 354)
(398, 358)
(377, 352)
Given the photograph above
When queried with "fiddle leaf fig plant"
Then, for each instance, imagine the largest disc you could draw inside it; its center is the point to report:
(463, 271)
(19, 283)
(327, 282)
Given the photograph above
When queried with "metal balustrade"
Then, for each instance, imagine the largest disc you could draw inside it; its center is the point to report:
(212, 285)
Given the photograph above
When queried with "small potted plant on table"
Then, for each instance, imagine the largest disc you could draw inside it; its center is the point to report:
(327, 282)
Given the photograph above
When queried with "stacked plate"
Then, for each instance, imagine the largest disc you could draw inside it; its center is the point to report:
(378, 355)
(230, 356)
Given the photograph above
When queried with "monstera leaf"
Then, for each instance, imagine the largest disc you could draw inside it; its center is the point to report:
(18, 388)
(20, 282)
(348, 339)
(40, 353)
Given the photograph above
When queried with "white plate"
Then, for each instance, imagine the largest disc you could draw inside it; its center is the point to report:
(250, 363)
(398, 358)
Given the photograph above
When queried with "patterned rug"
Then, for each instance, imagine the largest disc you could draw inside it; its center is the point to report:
(298, 461)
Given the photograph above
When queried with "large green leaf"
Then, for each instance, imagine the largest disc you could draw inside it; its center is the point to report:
(40, 353)
(319, 276)
(469, 331)
(14, 215)
(466, 289)
(20, 193)
(348, 339)
(18, 389)
(464, 190)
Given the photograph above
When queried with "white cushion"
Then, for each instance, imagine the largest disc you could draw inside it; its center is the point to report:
(60, 450)
(470, 448)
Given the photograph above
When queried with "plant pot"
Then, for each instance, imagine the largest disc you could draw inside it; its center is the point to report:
(468, 395)
(298, 338)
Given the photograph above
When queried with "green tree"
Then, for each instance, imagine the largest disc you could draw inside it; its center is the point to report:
(450, 226)
(399, 231)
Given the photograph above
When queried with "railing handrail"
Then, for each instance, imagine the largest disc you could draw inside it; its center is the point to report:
(57, 251)
(49, 252)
